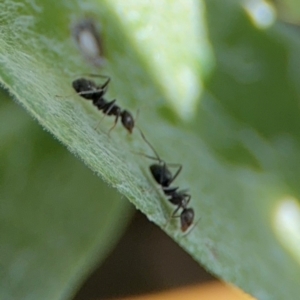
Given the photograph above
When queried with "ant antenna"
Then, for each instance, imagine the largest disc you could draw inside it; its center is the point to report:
(157, 158)
(148, 143)
(136, 116)
(104, 85)
(95, 75)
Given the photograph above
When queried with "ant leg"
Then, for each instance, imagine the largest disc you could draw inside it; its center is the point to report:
(104, 86)
(164, 164)
(148, 143)
(165, 169)
(116, 121)
(93, 91)
(189, 197)
(177, 172)
(84, 93)
(159, 159)
(162, 174)
(111, 105)
(136, 115)
(96, 75)
(101, 76)
(66, 96)
(173, 215)
(146, 155)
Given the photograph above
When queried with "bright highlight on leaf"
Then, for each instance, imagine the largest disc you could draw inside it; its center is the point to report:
(261, 12)
(286, 223)
(174, 46)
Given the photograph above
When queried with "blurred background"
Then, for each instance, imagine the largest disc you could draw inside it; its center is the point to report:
(56, 195)
(146, 260)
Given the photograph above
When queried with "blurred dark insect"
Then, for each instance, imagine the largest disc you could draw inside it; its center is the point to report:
(164, 178)
(88, 40)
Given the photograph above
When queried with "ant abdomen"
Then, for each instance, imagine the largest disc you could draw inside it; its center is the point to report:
(82, 85)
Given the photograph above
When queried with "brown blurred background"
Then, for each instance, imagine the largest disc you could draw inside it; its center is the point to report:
(145, 260)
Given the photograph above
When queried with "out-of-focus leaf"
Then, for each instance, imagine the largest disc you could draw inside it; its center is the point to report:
(57, 219)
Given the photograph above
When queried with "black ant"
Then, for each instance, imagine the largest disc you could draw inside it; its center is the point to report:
(164, 178)
(89, 90)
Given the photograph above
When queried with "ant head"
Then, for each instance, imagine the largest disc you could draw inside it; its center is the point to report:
(186, 218)
(127, 120)
(161, 174)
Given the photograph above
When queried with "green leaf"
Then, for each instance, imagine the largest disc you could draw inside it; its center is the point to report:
(239, 145)
(57, 220)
